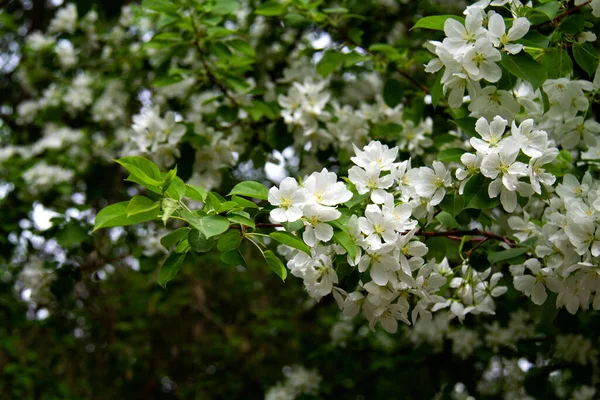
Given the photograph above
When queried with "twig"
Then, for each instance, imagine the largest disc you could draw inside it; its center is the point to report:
(211, 76)
(454, 234)
(558, 18)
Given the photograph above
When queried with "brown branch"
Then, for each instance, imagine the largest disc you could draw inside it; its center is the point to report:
(558, 18)
(211, 76)
(454, 234)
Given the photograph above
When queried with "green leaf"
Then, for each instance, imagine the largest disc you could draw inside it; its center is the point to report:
(160, 5)
(346, 241)
(212, 225)
(174, 237)
(250, 189)
(335, 10)
(242, 46)
(290, 240)
(271, 8)
(275, 264)
(226, 206)
(177, 189)
(476, 193)
(467, 125)
(546, 313)
(169, 206)
(143, 172)
(525, 67)
(449, 155)
(506, 254)
(393, 93)
(387, 131)
(198, 242)
(194, 220)
(140, 204)
(354, 58)
(572, 24)
(436, 22)
(224, 7)
(233, 257)
(549, 9)
(390, 52)
(293, 226)
(71, 234)
(195, 192)
(213, 203)
(238, 219)
(170, 268)
(356, 199)
(557, 62)
(586, 57)
(329, 62)
(229, 241)
(447, 220)
(116, 215)
(452, 204)
(244, 203)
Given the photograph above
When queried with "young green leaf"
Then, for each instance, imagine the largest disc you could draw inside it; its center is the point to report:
(506, 254)
(346, 241)
(275, 264)
(250, 189)
(449, 155)
(239, 219)
(169, 206)
(290, 240)
(170, 268)
(436, 22)
(140, 204)
(244, 203)
(174, 237)
(116, 215)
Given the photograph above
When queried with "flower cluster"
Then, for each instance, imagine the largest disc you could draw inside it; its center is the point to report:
(471, 51)
(389, 255)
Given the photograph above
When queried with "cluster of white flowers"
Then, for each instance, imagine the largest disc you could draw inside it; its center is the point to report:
(385, 236)
(308, 104)
(42, 176)
(470, 53)
(567, 247)
(299, 381)
(155, 136)
(65, 20)
(496, 158)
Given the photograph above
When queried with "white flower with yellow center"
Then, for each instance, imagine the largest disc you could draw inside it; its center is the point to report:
(317, 229)
(290, 198)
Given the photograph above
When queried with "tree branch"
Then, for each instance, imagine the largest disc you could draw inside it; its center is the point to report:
(453, 234)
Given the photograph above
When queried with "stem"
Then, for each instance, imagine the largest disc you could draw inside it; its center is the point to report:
(211, 76)
(558, 18)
